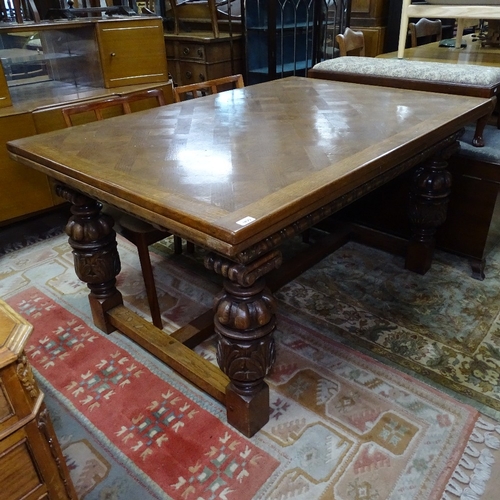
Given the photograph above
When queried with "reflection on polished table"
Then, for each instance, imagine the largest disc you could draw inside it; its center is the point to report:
(239, 173)
(473, 53)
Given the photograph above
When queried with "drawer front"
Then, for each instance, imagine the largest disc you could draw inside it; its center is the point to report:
(32, 465)
(191, 51)
(192, 72)
(19, 474)
(224, 51)
(132, 52)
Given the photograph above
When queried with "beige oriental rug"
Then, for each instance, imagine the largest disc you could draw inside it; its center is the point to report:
(342, 425)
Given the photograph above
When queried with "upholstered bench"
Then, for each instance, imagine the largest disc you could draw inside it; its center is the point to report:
(460, 79)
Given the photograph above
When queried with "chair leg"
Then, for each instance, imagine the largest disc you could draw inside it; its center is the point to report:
(149, 281)
(460, 32)
(177, 245)
(403, 30)
(478, 139)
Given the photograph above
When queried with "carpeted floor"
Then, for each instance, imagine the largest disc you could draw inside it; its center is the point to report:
(21, 234)
(342, 425)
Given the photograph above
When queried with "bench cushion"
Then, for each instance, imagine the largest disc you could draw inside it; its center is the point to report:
(462, 75)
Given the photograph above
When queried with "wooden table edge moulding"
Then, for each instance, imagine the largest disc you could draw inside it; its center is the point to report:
(244, 315)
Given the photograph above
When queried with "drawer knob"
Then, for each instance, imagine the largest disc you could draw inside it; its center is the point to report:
(189, 75)
(185, 51)
(113, 54)
(200, 52)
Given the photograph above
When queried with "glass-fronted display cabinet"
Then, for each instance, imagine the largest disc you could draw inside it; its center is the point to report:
(287, 37)
(49, 62)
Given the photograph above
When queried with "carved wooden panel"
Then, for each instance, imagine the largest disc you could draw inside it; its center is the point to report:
(16, 462)
(6, 410)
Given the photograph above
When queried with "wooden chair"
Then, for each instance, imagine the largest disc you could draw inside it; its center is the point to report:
(140, 233)
(114, 106)
(425, 31)
(351, 43)
(198, 13)
(208, 87)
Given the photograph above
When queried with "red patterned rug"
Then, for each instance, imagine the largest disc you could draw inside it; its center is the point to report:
(342, 425)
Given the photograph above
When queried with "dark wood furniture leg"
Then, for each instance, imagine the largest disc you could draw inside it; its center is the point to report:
(97, 263)
(478, 139)
(147, 272)
(429, 195)
(244, 322)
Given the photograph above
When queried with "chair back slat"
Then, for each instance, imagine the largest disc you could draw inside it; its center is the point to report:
(351, 43)
(122, 103)
(213, 86)
(425, 31)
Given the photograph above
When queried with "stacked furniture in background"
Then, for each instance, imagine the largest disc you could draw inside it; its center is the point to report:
(73, 61)
(370, 17)
(435, 9)
(205, 42)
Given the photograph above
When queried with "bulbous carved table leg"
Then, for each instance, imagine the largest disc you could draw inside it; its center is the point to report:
(429, 196)
(245, 321)
(97, 263)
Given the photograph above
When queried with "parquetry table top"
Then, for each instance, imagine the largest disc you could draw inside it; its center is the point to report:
(227, 170)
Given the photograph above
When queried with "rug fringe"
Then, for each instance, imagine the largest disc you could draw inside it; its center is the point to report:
(468, 481)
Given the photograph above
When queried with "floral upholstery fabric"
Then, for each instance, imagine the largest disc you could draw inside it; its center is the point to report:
(466, 74)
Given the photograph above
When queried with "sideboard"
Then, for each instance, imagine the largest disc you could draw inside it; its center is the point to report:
(51, 63)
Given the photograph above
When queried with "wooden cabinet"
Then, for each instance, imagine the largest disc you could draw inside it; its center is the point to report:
(32, 465)
(56, 63)
(370, 17)
(4, 90)
(132, 52)
(23, 189)
(199, 56)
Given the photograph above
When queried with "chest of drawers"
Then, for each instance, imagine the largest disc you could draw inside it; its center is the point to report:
(199, 56)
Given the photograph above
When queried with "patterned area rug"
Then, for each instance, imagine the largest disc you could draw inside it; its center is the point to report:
(342, 425)
(444, 325)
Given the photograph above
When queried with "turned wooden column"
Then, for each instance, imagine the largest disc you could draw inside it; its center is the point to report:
(244, 322)
(429, 195)
(96, 258)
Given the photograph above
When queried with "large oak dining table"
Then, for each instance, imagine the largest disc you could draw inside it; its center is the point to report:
(240, 173)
